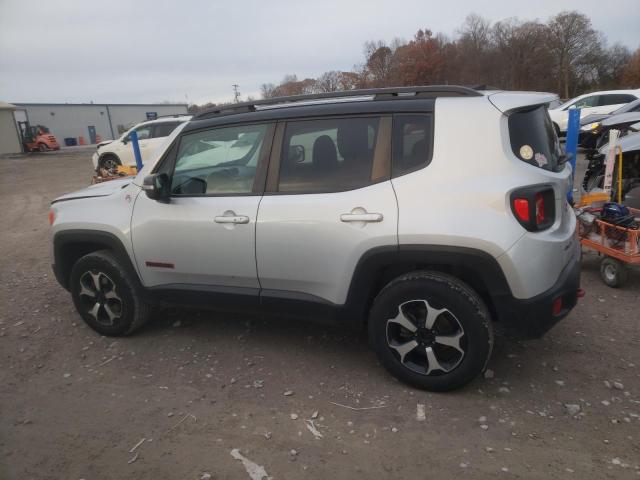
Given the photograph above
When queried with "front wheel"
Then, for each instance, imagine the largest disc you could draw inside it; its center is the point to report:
(109, 163)
(106, 295)
(42, 147)
(431, 331)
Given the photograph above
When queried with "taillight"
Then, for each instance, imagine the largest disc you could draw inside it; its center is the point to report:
(52, 217)
(521, 209)
(534, 207)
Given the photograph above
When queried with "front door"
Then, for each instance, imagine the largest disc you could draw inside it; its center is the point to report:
(204, 237)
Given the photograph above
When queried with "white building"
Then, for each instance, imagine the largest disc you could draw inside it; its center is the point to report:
(88, 122)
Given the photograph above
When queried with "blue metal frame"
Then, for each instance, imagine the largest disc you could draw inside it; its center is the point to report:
(136, 149)
(571, 147)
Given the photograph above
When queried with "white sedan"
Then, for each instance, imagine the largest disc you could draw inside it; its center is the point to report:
(151, 135)
(590, 103)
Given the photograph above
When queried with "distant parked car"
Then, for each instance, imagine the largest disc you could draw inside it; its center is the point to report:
(594, 128)
(591, 103)
(151, 135)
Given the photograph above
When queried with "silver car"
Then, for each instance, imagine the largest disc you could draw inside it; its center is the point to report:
(424, 214)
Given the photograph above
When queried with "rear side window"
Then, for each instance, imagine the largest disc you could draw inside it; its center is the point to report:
(533, 138)
(616, 99)
(328, 155)
(411, 143)
(164, 129)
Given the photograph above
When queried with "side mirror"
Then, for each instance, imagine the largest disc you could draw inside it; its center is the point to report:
(157, 187)
(125, 140)
(296, 153)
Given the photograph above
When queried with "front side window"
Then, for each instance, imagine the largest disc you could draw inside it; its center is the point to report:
(328, 155)
(220, 161)
(586, 102)
(144, 132)
(411, 143)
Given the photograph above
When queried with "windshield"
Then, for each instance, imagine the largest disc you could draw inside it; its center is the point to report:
(629, 107)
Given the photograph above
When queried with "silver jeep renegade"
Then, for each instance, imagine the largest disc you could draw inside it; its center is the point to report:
(424, 214)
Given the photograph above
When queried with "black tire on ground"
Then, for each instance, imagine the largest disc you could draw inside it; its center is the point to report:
(613, 272)
(109, 162)
(106, 295)
(457, 312)
(42, 147)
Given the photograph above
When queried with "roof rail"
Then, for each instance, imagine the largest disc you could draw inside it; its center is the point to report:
(388, 93)
(175, 115)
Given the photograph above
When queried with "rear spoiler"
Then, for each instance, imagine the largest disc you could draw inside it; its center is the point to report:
(507, 102)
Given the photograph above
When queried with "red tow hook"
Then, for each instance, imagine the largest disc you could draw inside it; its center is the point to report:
(581, 293)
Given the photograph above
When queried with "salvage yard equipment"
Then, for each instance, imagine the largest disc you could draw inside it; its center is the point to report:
(612, 231)
(38, 138)
(120, 172)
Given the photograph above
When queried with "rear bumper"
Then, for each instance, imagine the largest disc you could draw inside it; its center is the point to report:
(533, 317)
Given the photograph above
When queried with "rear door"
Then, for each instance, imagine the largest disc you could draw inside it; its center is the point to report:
(329, 199)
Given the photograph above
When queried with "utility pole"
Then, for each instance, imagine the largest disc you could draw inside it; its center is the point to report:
(236, 93)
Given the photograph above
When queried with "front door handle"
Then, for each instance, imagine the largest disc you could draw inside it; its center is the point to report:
(230, 217)
(361, 217)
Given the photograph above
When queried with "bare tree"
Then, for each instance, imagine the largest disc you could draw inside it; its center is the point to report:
(378, 64)
(329, 82)
(572, 42)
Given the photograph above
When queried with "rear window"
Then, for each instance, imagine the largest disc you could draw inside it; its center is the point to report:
(533, 138)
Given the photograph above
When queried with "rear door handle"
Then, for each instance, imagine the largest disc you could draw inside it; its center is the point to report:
(361, 217)
(230, 217)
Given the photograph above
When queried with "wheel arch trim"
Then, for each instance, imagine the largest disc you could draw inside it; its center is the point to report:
(398, 260)
(92, 240)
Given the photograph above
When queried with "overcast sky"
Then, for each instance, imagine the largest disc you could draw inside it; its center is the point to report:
(149, 51)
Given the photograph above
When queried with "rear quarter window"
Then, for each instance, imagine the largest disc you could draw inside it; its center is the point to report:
(533, 138)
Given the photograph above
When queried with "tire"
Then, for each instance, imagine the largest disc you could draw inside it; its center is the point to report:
(106, 295)
(42, 147)
(613, 272)
(593, 179)
(458, 313)
(109, 162)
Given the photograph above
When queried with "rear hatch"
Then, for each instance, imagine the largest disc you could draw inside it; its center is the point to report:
(533, 141)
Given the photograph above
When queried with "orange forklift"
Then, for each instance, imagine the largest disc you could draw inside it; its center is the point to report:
(37, 139)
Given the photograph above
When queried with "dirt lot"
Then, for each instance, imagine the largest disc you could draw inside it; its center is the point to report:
(197, 385)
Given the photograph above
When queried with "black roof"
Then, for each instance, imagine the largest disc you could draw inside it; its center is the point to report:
(384, 100)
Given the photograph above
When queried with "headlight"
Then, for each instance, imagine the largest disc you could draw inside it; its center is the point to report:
(590, 127)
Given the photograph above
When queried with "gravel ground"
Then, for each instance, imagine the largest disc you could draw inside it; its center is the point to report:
(299, 400)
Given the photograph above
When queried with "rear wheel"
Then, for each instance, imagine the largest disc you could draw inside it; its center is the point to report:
(106, 295)
(431, 330)
(613, 272)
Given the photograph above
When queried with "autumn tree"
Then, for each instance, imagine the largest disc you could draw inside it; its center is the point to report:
(419, 62)
(631, 74)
